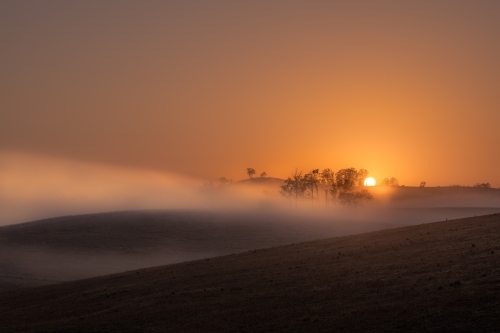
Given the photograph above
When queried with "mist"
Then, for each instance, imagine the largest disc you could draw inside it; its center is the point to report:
(94, 219)
(36, 187)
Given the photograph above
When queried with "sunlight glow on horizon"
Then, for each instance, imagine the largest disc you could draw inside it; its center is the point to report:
(216, 88)
(370, 181)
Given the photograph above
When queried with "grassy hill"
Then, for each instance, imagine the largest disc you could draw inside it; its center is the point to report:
(433, 277)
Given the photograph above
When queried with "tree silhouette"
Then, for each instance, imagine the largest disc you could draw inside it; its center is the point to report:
(316, 177)
(343, 188)
(362, 174)
(264, 174)
(287, 189)
(483, 185)
(334, 192)
(224, 181)
(423, 184)
(354, 199)
(327, 176)
(390, 182)
(346, 179)
(294, 187)
(250, 172)
(311, 181)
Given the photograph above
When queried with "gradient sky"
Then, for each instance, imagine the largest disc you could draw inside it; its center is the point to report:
(409, 89)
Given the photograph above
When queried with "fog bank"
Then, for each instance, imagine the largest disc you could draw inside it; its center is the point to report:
(34, 187)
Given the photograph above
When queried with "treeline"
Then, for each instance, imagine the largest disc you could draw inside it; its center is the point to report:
(479, 185)
(394, 182)
(339, 187)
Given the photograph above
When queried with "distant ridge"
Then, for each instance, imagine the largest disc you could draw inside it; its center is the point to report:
(261, 180)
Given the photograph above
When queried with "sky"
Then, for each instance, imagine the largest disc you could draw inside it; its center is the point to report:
(205, 89)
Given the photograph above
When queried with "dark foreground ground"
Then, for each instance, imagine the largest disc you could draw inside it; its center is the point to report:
(435, 277)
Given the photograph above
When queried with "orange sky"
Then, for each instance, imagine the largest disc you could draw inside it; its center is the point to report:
(207, 88)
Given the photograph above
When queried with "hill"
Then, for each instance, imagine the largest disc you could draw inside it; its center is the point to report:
(268, 185)
(76, 247)
(434, 277)
(271, 181)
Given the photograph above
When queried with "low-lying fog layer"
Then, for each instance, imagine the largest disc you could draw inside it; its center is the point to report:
(35, 187)
(75, 247)
(190, 221)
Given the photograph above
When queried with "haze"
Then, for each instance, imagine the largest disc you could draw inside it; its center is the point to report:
(206, 89)
(288, 165)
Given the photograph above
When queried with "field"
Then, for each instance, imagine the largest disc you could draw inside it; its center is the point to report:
(76, 247)
(432, 277)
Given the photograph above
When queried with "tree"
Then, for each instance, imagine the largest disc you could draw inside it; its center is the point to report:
(346, 179)
(311, 181)
(287, 189)
(343, 188)
(316, 178)
(327, 176)
(483, 185)
(294, 187)
(393, 182)
(362, 174)
(342, 185)
(334, 191)
(390, 182)
(264, 174)
(250, 172)
(422, 184)
(224, 181)
(354, 199)
(326, 196)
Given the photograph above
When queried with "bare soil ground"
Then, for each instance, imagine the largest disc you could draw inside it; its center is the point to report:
(434, 277)
(77, 247)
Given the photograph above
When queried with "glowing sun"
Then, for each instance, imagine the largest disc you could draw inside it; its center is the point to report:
(370, 181)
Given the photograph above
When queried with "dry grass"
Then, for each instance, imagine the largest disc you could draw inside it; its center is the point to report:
(435, 277)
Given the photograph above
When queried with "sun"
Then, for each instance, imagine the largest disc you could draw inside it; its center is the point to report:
(370, 181)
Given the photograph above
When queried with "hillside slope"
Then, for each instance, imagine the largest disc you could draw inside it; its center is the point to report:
(439, 277)
(83, 246)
